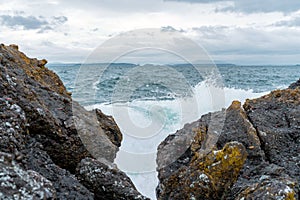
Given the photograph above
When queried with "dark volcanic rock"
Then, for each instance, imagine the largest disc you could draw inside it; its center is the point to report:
(207, 176)
(45, 134)
(106, 181)
(65, 184)
(110, 127)
(12, 126)
(269, 130)
(266, 181)
(276, 117)
(48, 108)
(17, 183)
(294, 85)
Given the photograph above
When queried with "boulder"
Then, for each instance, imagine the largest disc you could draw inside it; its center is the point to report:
(207, 177)
(267, 128)
(294, 85)
(108, 124)
(52, 118)
(17, 183)
(106, 181)
(276, 117)
(45, 134)
(65, 184)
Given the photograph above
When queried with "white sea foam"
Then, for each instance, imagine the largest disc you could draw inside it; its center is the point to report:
(145, 124)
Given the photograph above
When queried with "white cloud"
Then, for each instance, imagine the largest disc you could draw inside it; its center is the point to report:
(253, 6)
(70, 30)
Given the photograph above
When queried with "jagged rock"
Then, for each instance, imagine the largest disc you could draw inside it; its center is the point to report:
(207, 177)
(106, 181)
(91, 134)
(200, 137)
(110, 127)
(12, 126)
(267, 181)
(65, 184)
(49, 110)
(268, 127)
(276, 117)
(17, 183)
(295, 85)
(47, 134)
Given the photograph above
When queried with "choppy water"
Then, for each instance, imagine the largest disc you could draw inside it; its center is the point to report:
(150, 102)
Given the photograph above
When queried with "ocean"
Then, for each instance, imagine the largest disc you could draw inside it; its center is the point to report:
(149, 102)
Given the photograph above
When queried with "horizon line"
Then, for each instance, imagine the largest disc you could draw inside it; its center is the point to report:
(143, 64)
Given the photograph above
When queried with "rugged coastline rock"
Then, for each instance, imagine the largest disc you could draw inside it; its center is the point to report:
(13, 177)
(294, 85)
(106, 180)
(52, 148)
(45, 134)
(269, 130)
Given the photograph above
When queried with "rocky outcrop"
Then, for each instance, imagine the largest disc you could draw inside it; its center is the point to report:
(106, 181)
(17, 183)
(45, 134)
(294, 85)
(206, 176)
(110, 127)
(264, 166)
(49, 109)
(66, 185)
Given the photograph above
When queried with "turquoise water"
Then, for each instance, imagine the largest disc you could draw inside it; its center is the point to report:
(255, 78)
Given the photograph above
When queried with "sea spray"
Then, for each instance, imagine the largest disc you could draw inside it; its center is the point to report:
(142, 170)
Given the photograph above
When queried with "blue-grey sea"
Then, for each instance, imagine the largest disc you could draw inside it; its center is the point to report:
(255, 78)
(150, 102)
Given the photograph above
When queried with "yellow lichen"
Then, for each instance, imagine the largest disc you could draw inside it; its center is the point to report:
(223, 166)
(290, 196)
(200, 134)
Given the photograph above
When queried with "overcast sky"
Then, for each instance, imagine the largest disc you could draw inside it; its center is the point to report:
(234, 31)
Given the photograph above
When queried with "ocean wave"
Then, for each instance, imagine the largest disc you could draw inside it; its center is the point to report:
(145, 123)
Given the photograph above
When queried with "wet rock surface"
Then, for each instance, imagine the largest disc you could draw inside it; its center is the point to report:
(45, 134)
(267, 128)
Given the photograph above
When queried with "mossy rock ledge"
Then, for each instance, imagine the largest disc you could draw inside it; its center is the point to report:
(255, 154)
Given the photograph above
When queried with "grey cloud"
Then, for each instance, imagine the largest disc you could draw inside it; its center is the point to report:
(45, 29)
(289, 23)
(32, 23)
(60, 19)
(224, 42)
(211, 32)
(29, 22)
(170, 29)
(252, 6)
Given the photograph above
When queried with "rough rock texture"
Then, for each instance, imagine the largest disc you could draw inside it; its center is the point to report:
(294, 85)
(106, 181)
(44, 134)
(13, 127)
(206, 177)
(48, 108)
(268, 128)
(17, 183)
(110, 127)
(66, 184)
